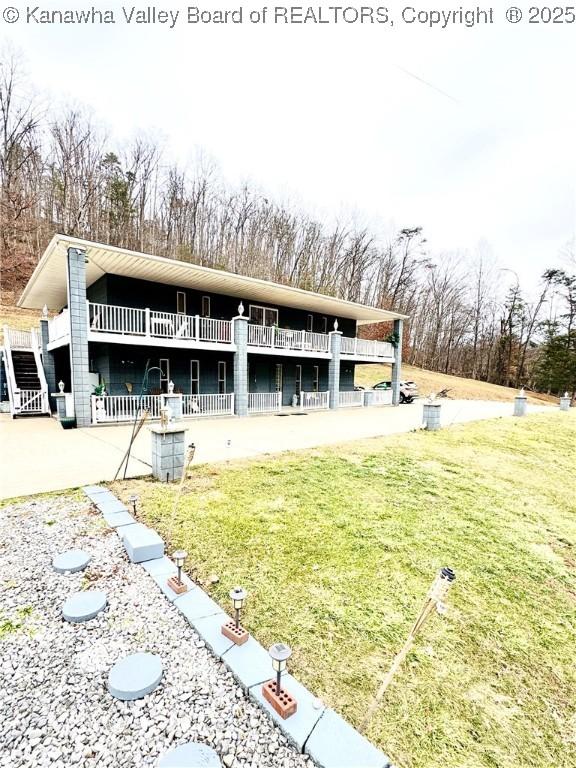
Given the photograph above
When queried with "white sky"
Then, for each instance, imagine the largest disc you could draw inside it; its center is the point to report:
(325, 116)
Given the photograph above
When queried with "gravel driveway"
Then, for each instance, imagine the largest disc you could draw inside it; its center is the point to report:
(54, 706)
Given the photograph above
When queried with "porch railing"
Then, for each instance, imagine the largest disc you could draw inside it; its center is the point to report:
(18, 339)
(208, 405)
(59, 326)
(110, 318)
(366, 347)
(381, 397)
(110, 408)
(351, 399)
(313, 400)
(282, 338)
(264, 402)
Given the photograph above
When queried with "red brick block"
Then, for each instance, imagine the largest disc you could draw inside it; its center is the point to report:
(238, 636)
(176, 586)
(283, 703)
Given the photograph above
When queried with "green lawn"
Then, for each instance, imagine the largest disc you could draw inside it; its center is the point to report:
(337, 548)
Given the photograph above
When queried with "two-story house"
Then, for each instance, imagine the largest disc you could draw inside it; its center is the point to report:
(228, 343)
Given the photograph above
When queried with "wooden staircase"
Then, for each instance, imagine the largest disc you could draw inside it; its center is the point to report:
(27, 387)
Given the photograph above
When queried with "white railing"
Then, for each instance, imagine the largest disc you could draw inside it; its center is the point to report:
(351, 399)
(264, 402)
(282, 338)
(59, 326)
(30, 400)
(109, 318)
(207, 405)
(123, 407)
(313, 400)
(366, 347)
(381, 396)
(18, 339)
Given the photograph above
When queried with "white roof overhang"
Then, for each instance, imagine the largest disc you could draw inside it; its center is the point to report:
(47, 285)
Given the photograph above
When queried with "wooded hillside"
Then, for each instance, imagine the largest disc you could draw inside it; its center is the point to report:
(60, 172)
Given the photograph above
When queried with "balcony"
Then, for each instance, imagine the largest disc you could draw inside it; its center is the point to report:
(128, 325)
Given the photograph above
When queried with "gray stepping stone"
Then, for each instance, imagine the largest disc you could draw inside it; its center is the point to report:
(142, 543)
(116, 519)
(96, 492)
(134, 676)
(300, 725)
(71, 561)
(190, 755)
(335, 744)
(108, 506)
(83, 606)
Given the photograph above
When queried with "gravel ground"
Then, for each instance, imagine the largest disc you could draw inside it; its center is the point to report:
(54, 706)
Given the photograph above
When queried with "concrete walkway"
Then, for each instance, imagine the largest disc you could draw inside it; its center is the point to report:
(37, 455)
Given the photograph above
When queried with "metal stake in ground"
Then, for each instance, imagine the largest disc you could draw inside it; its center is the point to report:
(189, 460)
(434, 600)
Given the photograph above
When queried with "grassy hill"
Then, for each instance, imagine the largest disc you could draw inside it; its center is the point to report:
(429, 381)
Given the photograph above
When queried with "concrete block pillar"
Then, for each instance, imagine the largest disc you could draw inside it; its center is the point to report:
(368, 397)
(240, 335)
(397, 364)
(79, 365)
(334, 368)
(48, 363)
(565, 402)
(520, 404)
(431, 415)
(168, 452)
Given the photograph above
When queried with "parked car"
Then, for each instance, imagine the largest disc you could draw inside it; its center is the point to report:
(408, 389)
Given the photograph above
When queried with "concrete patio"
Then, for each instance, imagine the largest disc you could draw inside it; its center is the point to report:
(37, 455)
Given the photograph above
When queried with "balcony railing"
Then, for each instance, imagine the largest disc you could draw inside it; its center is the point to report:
(59, 326)
(366, 347)
(264, 402)
(109, 318)
(281, 338)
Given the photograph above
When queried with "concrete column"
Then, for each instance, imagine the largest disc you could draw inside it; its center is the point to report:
(565, 402)
(368, 397)
(520, 404)
(240, 335)
(431, 416)
(48, 363)
(334, 369)
(79, 365)
(397, 364)
(168, 452)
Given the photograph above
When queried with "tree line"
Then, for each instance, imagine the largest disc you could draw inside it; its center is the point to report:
(60, 172)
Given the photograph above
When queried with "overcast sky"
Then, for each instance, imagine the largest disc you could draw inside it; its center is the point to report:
(337, 118)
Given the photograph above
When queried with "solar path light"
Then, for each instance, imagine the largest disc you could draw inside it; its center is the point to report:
(233, 630)
(435, 600)
(175, 582)
(133, 500)
(275, 695)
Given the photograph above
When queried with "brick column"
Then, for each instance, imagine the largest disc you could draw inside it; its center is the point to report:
(397, 364)
(79, 365)
(334, 368)
(240, 335)
(48, 363)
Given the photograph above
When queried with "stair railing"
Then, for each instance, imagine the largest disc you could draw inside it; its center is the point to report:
(37, 349)
(13, 391)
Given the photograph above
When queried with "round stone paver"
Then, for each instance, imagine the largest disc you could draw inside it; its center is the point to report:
(71, 561)
(191, 755)
(135, 676)
(83, 606)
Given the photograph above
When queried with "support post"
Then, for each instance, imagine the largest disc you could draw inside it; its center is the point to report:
(397, 364)
(240, 331)
(48, 363)
(79, 366)
(334, 369)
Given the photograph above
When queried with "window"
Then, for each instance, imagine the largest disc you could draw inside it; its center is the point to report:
(310, 323)
(194, 377)
(315, 378)
(298, 379)
(205, 306)
(324, 325)
(164, 366)
(263, 315)
(180, 303)
(222, 377)
(278, 378)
